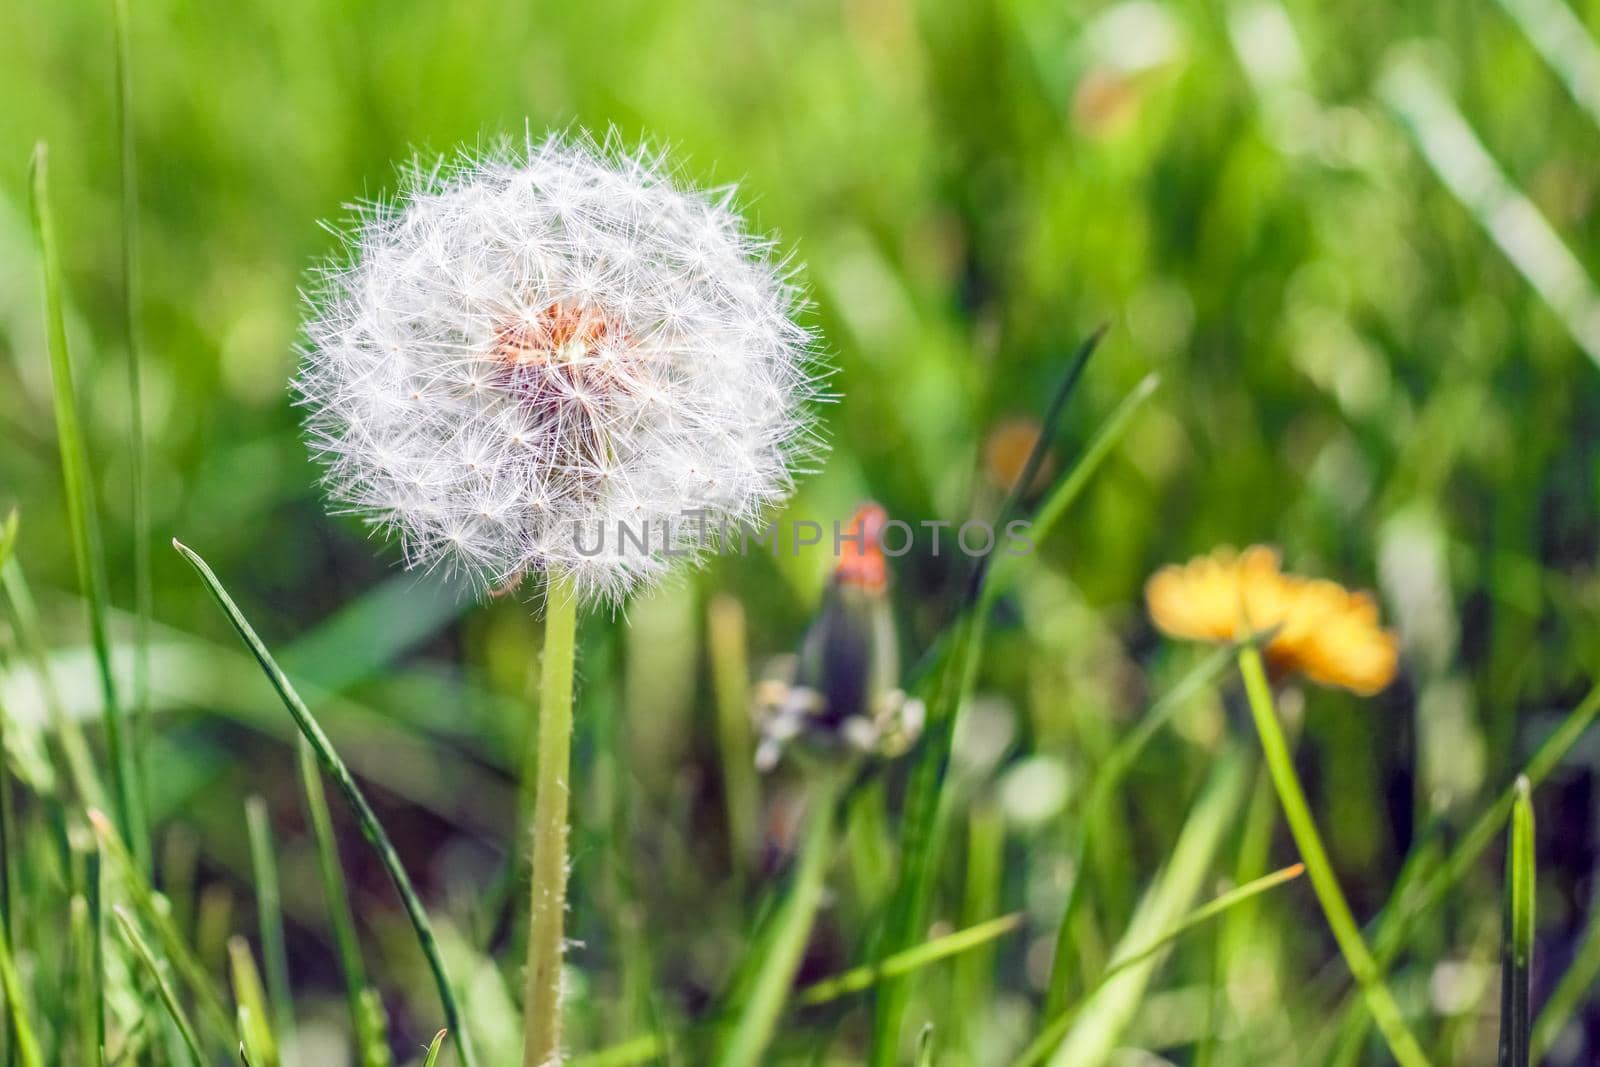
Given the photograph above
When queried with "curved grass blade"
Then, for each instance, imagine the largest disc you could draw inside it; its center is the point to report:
(1058, 1026)
(335, 768)
(1517, 953)
(180, 1018)
(433, 1049)
(82, 515)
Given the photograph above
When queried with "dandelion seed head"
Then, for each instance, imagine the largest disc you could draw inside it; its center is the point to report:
(524, 348)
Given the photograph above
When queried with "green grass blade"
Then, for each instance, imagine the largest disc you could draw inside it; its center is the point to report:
(642, 1049)
(372, 1030)
(1400, 915)
(154, 914)
(94, 962)
(86, 1004)
(1058, 1026)
(730, 671)
(269, 916)
(1517, 953)
(336, 893)
(82, 515)
(746, 1039)
(1099, 1020)
(1303, 827)
(1571, 991)
(180, 1018)
(255, 1032)
(30, 635)
(142, 587)
(1107, 780)
(902, 963)
(1066, 492)
(433, 1049)
(647, 1047)
(8, 537)
(24, 1041)
(1049, 423)
(335, 768)
(953, 687)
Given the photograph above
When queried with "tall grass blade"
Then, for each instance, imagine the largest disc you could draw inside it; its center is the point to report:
(1058, 1026)
(142, 588)
(86, 1003)
(1104, 1015)
(370, 1042)
(1291, 796)
(169, 999)
(1517, 952)
(1107, 780)
(24, 1041)
(1400, 915)
(952, 688)
(335, 768)
(269, 917)
(82, 514)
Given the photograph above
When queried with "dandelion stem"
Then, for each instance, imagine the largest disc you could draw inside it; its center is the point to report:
(1385, 1012)
(548, 904)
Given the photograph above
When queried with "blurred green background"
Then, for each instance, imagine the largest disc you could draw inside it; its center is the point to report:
(1370, 355)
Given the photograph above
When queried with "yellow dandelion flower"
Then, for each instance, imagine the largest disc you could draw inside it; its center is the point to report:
(1318, 628)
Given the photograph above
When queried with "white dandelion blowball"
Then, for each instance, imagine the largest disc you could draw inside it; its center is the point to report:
(556, 359)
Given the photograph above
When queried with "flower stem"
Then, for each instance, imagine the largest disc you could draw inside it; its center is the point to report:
(547, 914)
(1385, 1012)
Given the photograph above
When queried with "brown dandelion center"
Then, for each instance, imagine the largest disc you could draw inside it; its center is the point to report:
(562, 334)
(568, 365)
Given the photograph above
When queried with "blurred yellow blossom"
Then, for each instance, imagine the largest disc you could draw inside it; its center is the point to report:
(1317, 627)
